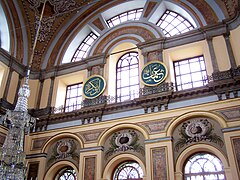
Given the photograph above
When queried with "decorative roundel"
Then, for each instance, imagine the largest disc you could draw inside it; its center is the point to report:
(153, 73)
(64, 147)
(196, 129)
(123, 139)
(94, 86)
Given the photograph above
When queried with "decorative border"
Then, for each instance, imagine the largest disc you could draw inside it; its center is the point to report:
(159, 62)
(104, 81)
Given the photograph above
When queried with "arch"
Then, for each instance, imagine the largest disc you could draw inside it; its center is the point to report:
(52, 171)
(144, 32)
(193, 114)
(17, 44)
(199, 148)
(121, 39)
(106, 133)
(108, 170)
(59, 136)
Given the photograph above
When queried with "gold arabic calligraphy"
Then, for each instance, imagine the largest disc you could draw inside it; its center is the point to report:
(93, 87)
(153, 72)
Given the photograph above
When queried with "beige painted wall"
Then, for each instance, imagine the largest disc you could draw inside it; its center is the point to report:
(235, 42)
(3, 78)
(221, 53)
(12, 87)
(34, 86)
(45, 93)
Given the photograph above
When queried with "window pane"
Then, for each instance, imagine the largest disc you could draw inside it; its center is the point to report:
(203, 166)
(190, 74)
(128, 170)
(126, 16)
(127, 76)
(84, 47)
(172, 23)
(73, 97)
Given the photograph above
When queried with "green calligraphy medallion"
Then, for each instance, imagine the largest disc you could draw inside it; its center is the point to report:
(153, 73)
(94, 86)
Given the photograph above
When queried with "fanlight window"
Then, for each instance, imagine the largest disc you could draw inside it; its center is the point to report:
(84, 47)
(172, 23)
(73, 97)
(128, 77)
(67, 173)
(203, 166)
(128, 171)
(126, 16)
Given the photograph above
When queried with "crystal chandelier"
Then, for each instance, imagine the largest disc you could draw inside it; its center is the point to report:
(12, 156)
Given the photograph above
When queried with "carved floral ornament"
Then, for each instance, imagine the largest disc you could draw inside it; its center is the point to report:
(197, 130)
(63, 149)
(123, 141)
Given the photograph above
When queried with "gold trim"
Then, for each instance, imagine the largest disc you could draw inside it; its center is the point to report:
(104, 87)
(158, 82)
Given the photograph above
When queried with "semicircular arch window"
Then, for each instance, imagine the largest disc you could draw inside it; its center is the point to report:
(204, 166)
(129, 170)
(66, 173)
(131, 15)
(172, 23)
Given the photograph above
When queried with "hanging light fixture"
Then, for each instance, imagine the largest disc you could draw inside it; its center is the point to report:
(12, 156)
(19, 122)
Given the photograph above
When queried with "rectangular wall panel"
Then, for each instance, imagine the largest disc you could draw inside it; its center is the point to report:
(90, 168)
(159, 164)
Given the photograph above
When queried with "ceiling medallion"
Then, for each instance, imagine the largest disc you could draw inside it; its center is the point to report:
(195, 131)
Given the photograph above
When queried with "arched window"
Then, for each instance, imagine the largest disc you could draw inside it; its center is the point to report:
(129, 170)
(4, 31)
(172, 23)
(128, 77)
(203, 166)
(132, 15)
(84, 47)
(67, 173)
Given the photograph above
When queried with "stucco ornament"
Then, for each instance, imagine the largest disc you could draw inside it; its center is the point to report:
(64, 148)
(124, 141)
(195, 131)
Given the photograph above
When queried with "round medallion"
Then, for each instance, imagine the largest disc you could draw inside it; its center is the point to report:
(94, 86)
(153, 73)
